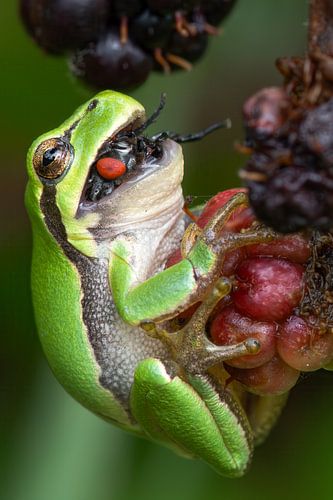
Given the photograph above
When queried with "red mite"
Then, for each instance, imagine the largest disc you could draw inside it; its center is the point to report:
(110, 168)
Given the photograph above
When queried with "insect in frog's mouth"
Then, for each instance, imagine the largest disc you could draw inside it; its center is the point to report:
(115, 167)
(122, 156)
(128, 154)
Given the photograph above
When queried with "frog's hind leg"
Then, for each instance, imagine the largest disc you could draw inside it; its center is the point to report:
(191, 416)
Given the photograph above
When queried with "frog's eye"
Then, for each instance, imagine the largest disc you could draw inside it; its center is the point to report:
(110, 168)
(52, 158)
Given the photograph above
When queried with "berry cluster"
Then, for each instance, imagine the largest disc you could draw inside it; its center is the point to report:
(115, 44)
(290, 171)
(271, 302)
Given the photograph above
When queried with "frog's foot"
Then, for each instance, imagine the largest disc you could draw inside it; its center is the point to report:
(190, 348)
(192, 416)
(230, 241)
(215, 243)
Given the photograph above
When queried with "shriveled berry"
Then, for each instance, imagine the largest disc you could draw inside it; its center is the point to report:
(293, 198)
(109, 63)
(59, 25)
(230, 327)
(265, 112)
(289, 173)
(302, 345)
(268, 289)
(272, 378)
(316, 131)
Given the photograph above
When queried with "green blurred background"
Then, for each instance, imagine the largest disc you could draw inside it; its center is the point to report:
(53, 449)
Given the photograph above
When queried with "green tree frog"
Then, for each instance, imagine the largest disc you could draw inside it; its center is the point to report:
(106, 206)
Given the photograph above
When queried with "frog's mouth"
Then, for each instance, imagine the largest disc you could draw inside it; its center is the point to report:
(98, 190)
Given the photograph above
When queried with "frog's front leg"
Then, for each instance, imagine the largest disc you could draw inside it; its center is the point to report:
(195, 278)
(173, 290)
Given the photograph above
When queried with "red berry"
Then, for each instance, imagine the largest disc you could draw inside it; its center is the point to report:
(218, 201)
(268, 280)
(303, 346)
(268, 289)
(294, 247)
(273, 378)
(231, 261)
(240, 219)
(229, 327)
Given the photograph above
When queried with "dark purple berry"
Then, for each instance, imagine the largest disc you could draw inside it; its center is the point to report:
(60, 25)
(190, 48)
(151, 30)
(108, 63)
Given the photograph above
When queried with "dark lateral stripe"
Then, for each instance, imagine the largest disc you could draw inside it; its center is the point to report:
(96, 299)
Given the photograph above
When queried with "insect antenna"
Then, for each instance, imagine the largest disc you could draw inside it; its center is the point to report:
(153, 117)
(196, 136)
